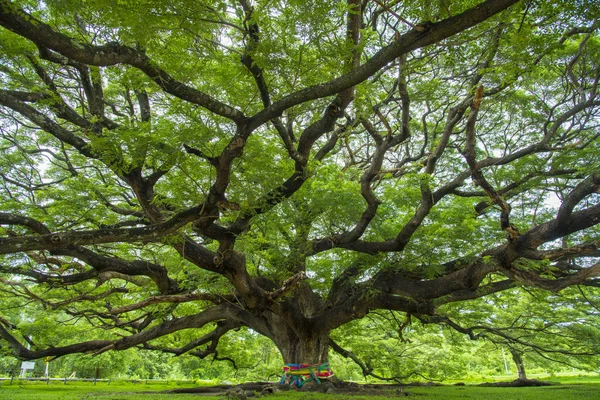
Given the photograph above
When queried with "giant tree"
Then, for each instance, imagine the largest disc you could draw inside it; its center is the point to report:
(172, 171)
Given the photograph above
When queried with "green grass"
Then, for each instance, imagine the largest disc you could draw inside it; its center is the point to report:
(129, 391)
(87, 390)
(563, 392)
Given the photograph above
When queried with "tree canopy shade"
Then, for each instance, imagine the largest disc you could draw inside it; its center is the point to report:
(175, 170)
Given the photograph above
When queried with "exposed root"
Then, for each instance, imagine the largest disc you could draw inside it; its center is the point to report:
(331, 386)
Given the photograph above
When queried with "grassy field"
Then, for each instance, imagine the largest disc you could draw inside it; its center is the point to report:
(572, 389)
(20, 390)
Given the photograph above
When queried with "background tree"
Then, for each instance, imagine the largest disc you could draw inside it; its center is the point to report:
(174, 171)
(521, 330)
(535, 326)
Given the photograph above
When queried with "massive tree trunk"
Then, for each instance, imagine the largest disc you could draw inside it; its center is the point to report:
(295, 332)
(307, 348)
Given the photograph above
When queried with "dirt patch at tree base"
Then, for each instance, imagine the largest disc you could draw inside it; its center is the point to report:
(518, 383)
(258, 389)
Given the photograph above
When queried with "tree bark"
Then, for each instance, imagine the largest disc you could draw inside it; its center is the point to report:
(300, 343)
(306, 349)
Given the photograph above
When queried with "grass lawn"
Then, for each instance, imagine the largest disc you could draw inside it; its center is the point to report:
(129, 391)
(563, 392)
(20, 390)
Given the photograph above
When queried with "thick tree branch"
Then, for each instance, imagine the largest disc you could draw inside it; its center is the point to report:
(46, 123)
(175, 298)
(555, 229)
(530, 278)
(414, 39)
(222, 328)
(476, 172)
(24, 24)
(588, 186)
(64, 240)
(99, 346)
